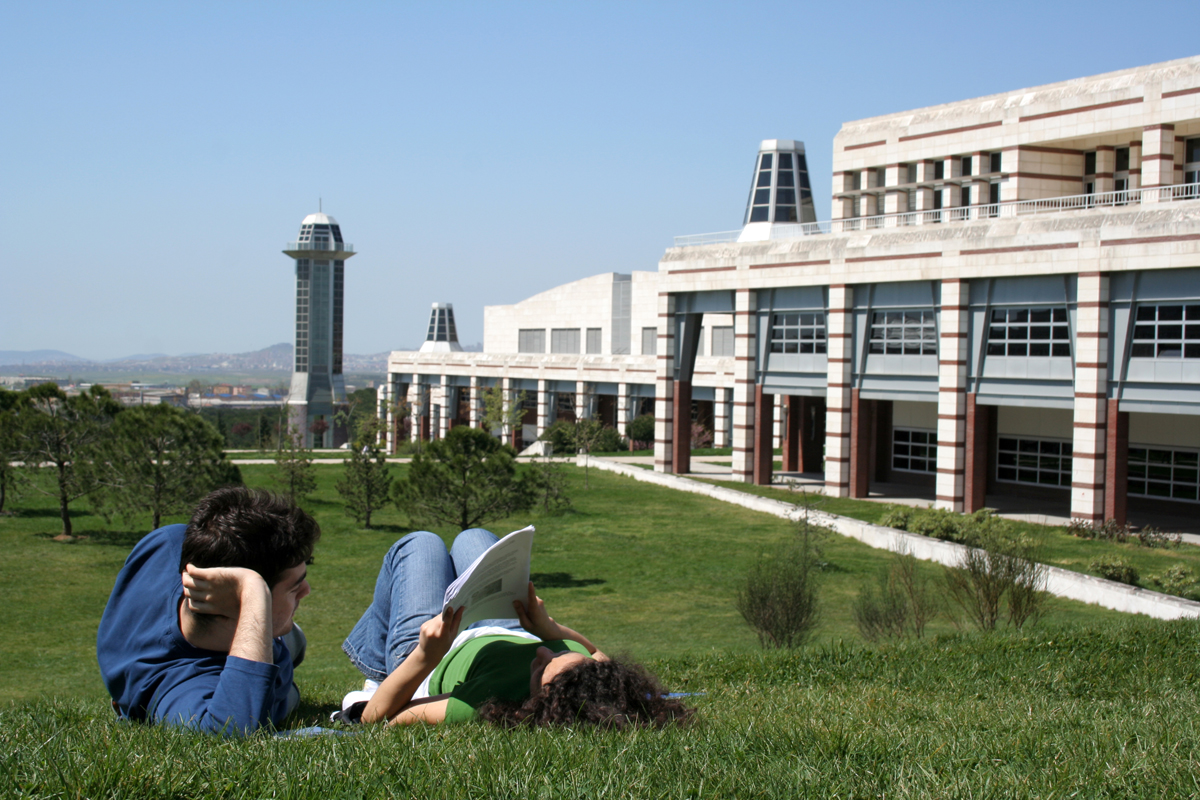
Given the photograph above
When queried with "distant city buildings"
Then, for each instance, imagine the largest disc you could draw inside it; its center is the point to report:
(317, 383)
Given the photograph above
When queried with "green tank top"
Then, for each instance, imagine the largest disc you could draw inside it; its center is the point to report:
(488, 667)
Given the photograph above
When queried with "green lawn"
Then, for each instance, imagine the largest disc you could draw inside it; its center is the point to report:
(1090, 701)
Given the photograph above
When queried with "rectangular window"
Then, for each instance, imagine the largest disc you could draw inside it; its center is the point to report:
(700, 342)
(649, 341)
(904, 332)
(997, 160)
(593, 340)
(722, 340)
(966, 165)
(939, 170)
(1041, 462)
(1160, 472)
(798, 332)
(1191, 151)
(912, 173)
(1122, 155)
(881, 176)
(531, 340)
(1089, 163)
(1166, 331)
(908, 333)
(914, 450)
(966, 195)
(1024, 332)
(993, 193)
(564, 340)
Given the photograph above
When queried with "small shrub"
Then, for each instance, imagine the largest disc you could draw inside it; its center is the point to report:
(610, 441)
(1112, 531)
(923, 604)
(641, 430)
(701, 436)
(1113, 568)
(561, 436)
(779, 598)
(548, 483)
(938, 523)
(880, 610)
(1179, 581)
(900, 517)
(996, 566)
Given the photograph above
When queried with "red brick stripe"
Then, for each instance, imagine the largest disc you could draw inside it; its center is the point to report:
(1031, 248)
(949, 131)
(1180, 92)
(1081, 109)
(791, 264)
(1190, 237)
(892, 258)
(869, 144)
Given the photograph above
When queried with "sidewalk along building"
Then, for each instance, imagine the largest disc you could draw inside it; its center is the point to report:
(317, 383)
(1006, 302)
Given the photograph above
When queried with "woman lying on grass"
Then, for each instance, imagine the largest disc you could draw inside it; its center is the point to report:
(530, 670)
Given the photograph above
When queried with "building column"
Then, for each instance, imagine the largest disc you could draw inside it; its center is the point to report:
(1158, 158)
(624, 409)
(383, 411)
(444, 407)
(1116, 464)
(583, 408)
(509, 433)
(543, 409)
(414, 410)
(475, 399)
(975, 454)
(1091, 392)
(1106, 161)
(862, 414)
(1135, 165)
(745, 349)
(952, 394)
(792, 418)
(686, 329)
(837, 400)
(720, 418)
(664, 387)
(764, 428)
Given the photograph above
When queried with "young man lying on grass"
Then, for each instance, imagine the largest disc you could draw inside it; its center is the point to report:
(198, 630)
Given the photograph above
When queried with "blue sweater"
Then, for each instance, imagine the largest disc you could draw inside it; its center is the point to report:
(151, 671)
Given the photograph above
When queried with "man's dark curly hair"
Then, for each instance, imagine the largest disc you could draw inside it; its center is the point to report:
(251, 528)
(607, 694)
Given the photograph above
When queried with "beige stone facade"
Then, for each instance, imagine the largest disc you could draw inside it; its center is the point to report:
(1005, 302)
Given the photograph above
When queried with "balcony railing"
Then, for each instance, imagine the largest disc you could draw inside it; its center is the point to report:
(1013, 208)
(333, 246)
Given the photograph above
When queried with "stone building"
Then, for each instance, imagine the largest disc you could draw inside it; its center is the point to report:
(1006, 302)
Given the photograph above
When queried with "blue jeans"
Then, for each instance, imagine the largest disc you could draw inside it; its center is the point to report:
(410, 589)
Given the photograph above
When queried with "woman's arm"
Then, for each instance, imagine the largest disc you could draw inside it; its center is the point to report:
(429, 710)
(534, 618)
(437, 634)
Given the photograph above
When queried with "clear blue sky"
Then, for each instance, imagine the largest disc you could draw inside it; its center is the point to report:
(157, 156)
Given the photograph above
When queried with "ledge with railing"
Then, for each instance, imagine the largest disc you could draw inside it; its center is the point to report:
(337, 247)
(1013, 208)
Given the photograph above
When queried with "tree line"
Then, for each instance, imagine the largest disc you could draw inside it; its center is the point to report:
(126, 461)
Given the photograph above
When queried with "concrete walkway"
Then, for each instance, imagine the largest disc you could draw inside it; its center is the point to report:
(1060, 582)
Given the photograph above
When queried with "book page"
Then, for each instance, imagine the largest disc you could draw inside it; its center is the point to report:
(498, 577)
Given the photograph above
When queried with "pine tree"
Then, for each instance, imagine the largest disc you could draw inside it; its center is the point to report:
(366, 484)
(293, 469)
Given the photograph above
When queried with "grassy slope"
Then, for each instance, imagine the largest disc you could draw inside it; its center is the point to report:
(1090, 701)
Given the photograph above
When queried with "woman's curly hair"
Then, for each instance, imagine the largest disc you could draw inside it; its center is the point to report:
(608, 694)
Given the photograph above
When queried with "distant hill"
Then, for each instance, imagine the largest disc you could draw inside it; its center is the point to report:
(276, 359)
(39, 357)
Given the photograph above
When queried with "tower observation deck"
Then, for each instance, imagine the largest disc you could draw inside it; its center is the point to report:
(317, 383)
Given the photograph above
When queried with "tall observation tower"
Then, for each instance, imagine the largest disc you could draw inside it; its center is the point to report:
(317, 384)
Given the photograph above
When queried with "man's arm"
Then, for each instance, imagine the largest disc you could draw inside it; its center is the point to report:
(239, 600)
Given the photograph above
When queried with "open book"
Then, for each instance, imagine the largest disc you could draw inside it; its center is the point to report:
(500, 575)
